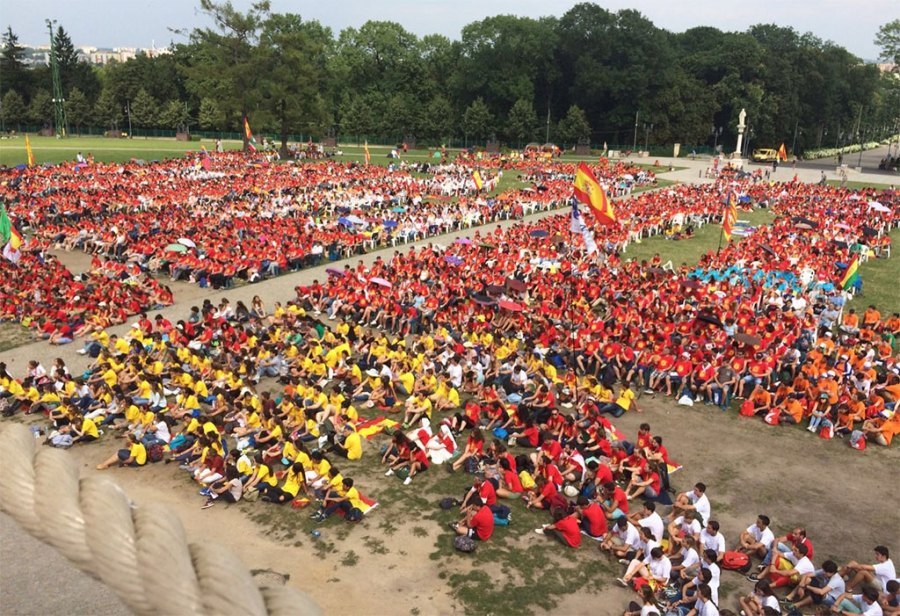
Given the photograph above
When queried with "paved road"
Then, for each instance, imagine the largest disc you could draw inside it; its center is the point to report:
(869, 161)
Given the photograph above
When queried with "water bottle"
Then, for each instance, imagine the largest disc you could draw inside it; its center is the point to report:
(316, 533)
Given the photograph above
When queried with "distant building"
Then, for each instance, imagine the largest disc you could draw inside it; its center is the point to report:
(888, 67)
(40, 54)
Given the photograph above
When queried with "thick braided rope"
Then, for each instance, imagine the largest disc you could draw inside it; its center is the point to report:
(142, 553)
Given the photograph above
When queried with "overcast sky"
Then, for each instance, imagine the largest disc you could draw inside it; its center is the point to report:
(140, 23)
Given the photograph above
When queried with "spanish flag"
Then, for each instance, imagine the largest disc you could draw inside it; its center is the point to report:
(28, 151)
(479, 183)
(366, 152)
(251, 142)
(729, 218)
(589, 192)
(851, 278)
(782, 153)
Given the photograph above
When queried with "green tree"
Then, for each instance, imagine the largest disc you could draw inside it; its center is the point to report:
(40, 110)
(888, 39)
(78, 109)
(107, 110)
(522, 121)
(15, 75)
(573, 127)
(14, 112)
(144, 110)
(438, 120)
(210, 117)
(223, 62)
(173, 115)
(477, 120)
(356, 118)
(292, 51)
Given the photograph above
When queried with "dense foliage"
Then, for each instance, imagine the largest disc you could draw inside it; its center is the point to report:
(590, 74)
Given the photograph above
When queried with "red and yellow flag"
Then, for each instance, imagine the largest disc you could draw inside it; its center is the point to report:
(28, 153)
(251, 142)
(366, 152)
(729, 218)
(589, 192)
(782, 153)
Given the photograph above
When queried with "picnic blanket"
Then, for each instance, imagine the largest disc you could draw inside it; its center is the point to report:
(370, 427)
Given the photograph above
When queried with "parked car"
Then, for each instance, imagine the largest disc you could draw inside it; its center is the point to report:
(764, 155)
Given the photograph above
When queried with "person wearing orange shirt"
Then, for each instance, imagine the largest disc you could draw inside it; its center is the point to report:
(850, 322)
(871, 317)
(761, 400)
(882, 430)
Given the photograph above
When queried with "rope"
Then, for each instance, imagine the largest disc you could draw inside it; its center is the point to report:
(142, 553)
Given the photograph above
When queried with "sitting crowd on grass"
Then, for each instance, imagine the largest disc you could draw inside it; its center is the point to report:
(507, 354)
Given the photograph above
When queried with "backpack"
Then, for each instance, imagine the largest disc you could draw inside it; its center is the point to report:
(471, 465)
(448, 503)
(155, 452)
(354, 515)
(735, 561)
(464, 544)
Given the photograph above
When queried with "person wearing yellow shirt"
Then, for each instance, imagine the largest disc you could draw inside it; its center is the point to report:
(345, 499)
(135, 455)
(351, 447)
(417, 406)
(85, 433)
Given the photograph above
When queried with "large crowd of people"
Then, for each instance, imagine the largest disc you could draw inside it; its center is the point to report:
(509, 354)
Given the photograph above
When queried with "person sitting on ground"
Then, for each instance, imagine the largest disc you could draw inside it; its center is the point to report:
(757, 540)
(623, 541)
(647, 606)
(762, 596)
(790, 569)
(655, 569)
(695, 500)
(823, 589)
(865, 603)
(876, 575)
(477, 521)
(591, 518)
(564, 528)
(135, 455)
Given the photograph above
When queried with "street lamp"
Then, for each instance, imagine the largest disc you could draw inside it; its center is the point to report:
(796, 131)
(647, 129)
(128, 113)
(636, 116)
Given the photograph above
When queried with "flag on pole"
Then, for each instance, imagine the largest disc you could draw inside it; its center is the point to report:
(852, 277)
(10, 239)
(782, 153)
(366, 152)
(729, 218)
(251, 142)
(589, 192)
(28, 152)
(479, 183)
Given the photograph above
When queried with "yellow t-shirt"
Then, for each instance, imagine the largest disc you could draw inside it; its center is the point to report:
(139, 453)
(89, 428)
(353, 444)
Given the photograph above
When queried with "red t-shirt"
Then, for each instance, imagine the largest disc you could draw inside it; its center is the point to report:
(512, 480)
(487, 493)
(483, 523)
(620, 499)
(570, 531)
(596, 519)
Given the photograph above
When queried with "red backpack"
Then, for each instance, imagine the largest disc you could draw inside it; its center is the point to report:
(735, 561)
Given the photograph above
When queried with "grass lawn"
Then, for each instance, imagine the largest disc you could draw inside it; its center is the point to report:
(879, 278)
(13, 335)
(861, 185)
(690, 251)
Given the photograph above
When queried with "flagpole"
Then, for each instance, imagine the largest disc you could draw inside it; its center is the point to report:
(722, 226)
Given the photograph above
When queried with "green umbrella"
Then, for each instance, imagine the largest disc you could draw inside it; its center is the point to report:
(176, 248)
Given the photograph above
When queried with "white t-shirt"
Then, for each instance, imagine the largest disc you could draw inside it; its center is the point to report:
(649, 609)
(687, 529)
(655, 524)
(772, 601)
(661, 568)
(764, 536)
(631, 537)
(804, 566)
(712, 542)
(701, 505)
(714, 581)
(690, 557)
(885, 572)
(837, 586)
(868, 610)
(709, 609)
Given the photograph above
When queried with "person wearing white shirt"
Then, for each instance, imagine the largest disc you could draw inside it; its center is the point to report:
(802, 566)
(712, 539)
(758, 538)
(690, 560)
(657, 567)
(683, 526)
(708, 606)
(878, 574)
(710, 562)
(648, 518)
(826, 594)
(756, 602)
(865, 604)
(695, 500)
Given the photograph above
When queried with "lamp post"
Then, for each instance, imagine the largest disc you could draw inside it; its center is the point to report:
(637, 115)
(794, 144)
(647, 129)
(128, 113)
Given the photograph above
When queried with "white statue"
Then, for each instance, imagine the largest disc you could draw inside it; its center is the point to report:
(742, 117)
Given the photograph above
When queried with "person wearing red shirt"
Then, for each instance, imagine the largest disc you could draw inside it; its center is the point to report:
(564, 529)
(615, 501)
(592, 519)
(478, 521)
(510, 484)
(680, 372)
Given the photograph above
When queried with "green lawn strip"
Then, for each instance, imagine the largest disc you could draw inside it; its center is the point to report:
(861, 185)
(879, 277)
(13, 335)
(689, 251)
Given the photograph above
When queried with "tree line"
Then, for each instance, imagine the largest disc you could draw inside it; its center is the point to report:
(591, 75)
